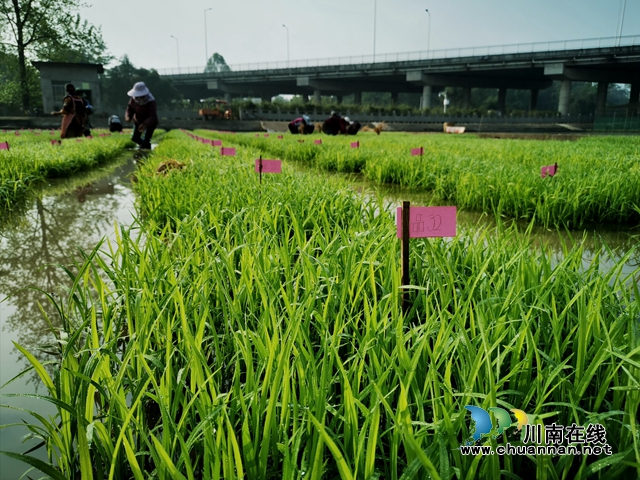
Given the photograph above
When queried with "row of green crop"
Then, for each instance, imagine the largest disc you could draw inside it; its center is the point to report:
(597, 181)
(32, 158)
(255, 331)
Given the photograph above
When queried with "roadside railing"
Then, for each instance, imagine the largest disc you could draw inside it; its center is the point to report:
(445, 53)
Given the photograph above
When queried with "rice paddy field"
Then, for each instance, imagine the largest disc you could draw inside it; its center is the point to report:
(249, 329)
(34, 156)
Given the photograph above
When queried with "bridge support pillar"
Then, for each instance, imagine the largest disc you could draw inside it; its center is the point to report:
(317, 94)
(305, 99)
(466, 97)
(634, 95)
(339, 98)
(502, 100)
(357, 98)
(394, 98)
(565, 95)
(533, 100)
(425, 101)
(601, 97)
(227, 97)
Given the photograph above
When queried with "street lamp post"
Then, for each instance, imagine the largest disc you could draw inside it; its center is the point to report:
(287, 29)
(177, 51)
(621, 23)
(206, 45)
(375, 13)
(429, 33)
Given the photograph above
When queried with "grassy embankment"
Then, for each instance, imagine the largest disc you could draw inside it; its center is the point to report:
(256, 332)
(597, 181)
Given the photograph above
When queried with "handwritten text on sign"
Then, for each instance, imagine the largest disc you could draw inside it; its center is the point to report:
(269, 166)
(429, 222)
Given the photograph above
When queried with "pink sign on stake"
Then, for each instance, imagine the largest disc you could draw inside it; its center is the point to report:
(90, 137)
(4, 146)
(266, 135)
(550, 170)
(417, 151)
(216, 143)
(355, 144)
(228, 152)
(17, 133)
(78, 139)
(56, 142)
(280, 137)
(318, 141)
(269, 166)
(257, 135)
(206, 141)
(429, 222)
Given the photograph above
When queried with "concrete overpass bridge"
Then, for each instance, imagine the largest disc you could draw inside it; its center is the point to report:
(529, 66)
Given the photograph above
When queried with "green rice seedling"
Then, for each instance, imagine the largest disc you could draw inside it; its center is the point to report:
(597, 179)
(255, 331)
(32, 159)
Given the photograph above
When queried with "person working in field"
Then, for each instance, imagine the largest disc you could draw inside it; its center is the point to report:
(74, 114)
(142, 110)
(115, 125)
(352, 127)
(302, 125)
(335, 125)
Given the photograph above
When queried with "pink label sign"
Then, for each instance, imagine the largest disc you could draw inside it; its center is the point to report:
(318, 141)
(266, 135)
(17, 134)
(216, 143)
(56, 142)
(4, 146)
(257, 134)
(417, 151)
(550, 170)
(280, 137)
(269, 166)
(455, 129)
(228, 152)
(429, 222)
(206, 141)
(355, 144)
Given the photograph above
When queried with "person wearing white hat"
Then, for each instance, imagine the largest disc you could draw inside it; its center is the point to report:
(142, 110)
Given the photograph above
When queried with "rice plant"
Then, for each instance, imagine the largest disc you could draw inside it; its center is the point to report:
(254, 331)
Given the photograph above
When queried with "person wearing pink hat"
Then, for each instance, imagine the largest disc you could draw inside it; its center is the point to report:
(142, 110)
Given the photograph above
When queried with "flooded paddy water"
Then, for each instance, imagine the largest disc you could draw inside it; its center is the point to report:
(74, 215)
(64, 218)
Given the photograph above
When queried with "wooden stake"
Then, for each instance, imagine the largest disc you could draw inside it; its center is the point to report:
(405, 256)
(260, 168)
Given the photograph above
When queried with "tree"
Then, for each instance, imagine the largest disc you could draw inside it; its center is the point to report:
(48, 30)
(118, 80)
(216, 63)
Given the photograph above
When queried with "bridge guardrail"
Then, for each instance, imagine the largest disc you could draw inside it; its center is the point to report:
(462, 52)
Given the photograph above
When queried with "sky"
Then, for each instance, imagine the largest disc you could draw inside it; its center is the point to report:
(249, 31)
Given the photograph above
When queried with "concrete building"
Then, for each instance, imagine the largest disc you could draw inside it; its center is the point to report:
(55, 75)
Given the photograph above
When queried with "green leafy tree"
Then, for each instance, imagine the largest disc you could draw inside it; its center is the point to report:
(47, 30)
(10, 90)
(118, 80)
(216, 63)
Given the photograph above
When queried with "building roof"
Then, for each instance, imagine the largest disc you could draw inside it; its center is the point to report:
(92, 66)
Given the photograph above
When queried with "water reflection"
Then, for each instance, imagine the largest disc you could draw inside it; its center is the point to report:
(69, 217)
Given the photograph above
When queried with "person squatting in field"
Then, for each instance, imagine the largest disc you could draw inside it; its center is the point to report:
(74, 114)
(302, 125)
(335, 125)
(142, 110)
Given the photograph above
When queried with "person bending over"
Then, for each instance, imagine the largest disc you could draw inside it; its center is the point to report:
(142, 110)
